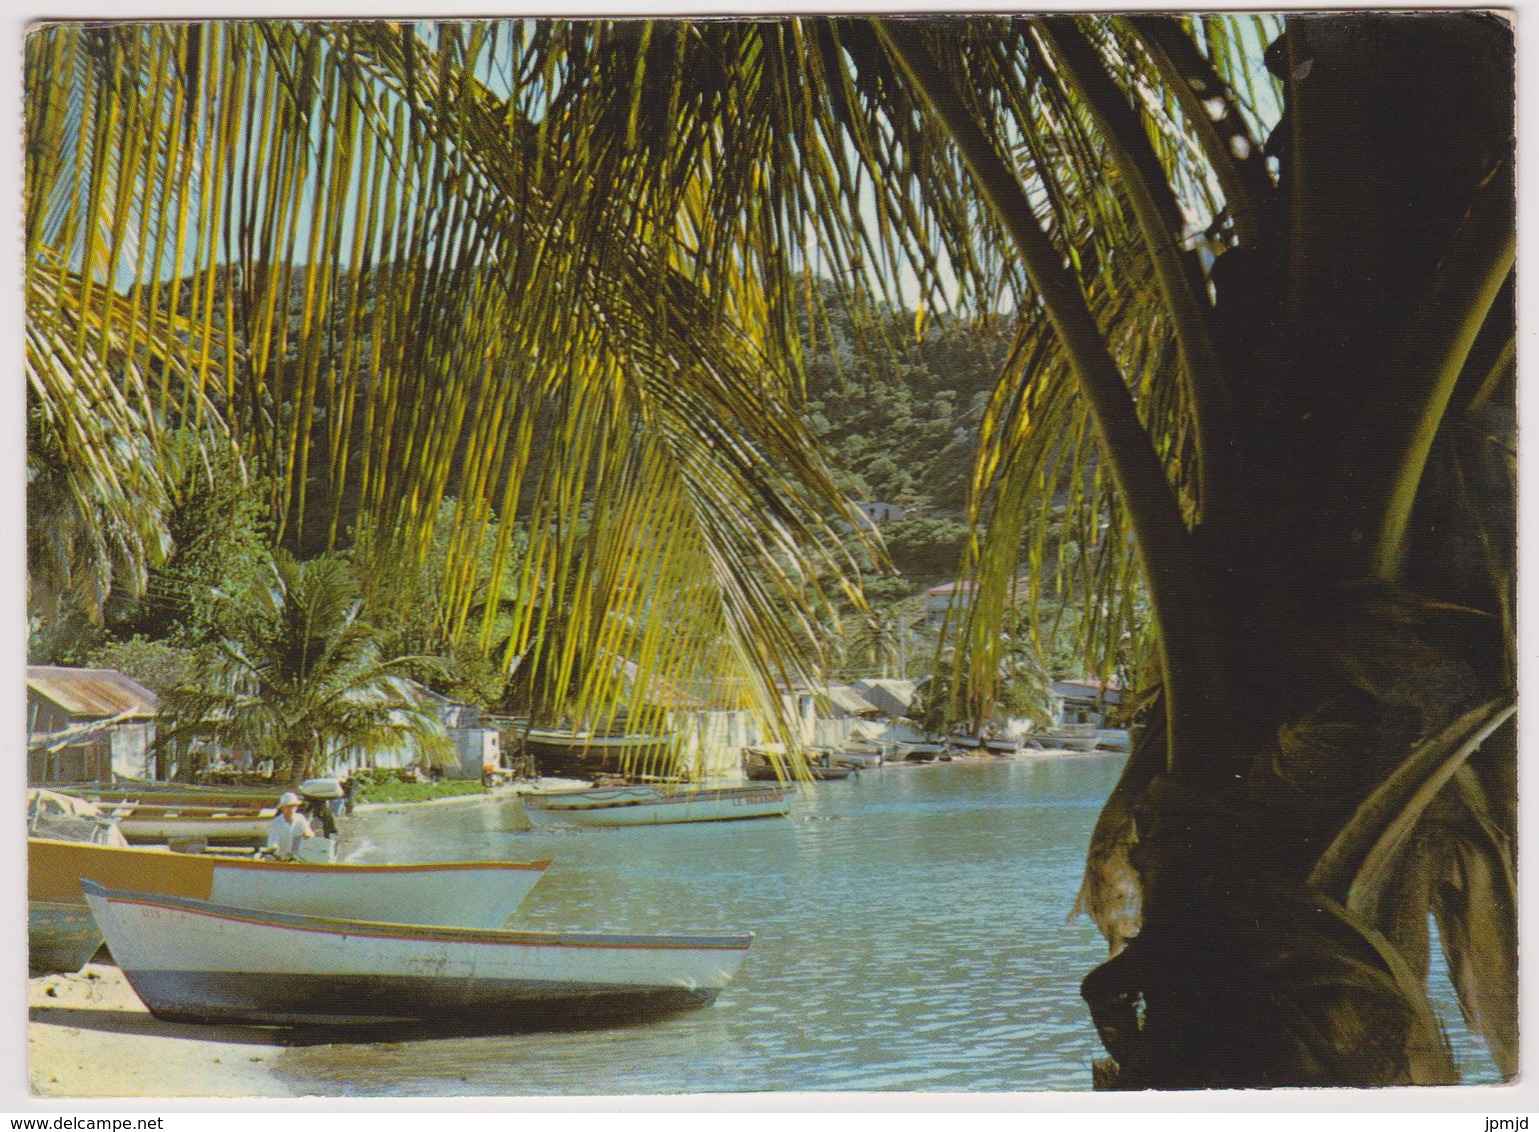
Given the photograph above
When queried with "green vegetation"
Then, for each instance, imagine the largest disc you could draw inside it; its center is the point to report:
(385, 787)
(296, 678)
(563, 273)
(901, 417)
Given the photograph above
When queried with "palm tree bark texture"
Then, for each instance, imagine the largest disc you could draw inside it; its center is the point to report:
(1271, 925)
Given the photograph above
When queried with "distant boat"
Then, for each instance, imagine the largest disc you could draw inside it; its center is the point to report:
(156, 816)
(581, 753)
(470, 894)
(655, 805)
(1071, 736)
(920, 752)
(196, 961)
(759, 766)
(1113, 739)
(964, 742)
(1002, 746)
(860, 756)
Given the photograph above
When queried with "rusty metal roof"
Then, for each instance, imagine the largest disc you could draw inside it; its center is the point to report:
(92, 692)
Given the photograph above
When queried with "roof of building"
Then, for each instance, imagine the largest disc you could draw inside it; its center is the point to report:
(93, 693)
(851, 702)
(951, 588)
(891, 697)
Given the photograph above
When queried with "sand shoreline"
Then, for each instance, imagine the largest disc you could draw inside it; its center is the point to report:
(88, 1035)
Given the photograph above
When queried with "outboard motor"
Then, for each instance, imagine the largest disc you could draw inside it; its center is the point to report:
(319, 795)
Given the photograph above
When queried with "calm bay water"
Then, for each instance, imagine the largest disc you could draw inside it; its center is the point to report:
(912, 935)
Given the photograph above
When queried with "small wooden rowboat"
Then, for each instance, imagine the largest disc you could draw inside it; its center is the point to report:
(160, 814)
(860, 757)
(656, 805)
(160, 825)
(920, 752)
(193, 961)
(177, 794)
(773, 764)
(584, 754)
(61, 936)
(472, 894)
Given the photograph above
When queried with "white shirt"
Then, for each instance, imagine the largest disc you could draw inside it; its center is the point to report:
(285, 836)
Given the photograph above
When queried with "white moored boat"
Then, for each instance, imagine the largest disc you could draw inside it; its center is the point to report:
(919, 752)
(1071, 737)
(193, 961)
(471, 894)
(656, 805)
(860, 756)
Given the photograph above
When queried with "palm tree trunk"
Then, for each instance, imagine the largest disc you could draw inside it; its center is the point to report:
(1251, 968)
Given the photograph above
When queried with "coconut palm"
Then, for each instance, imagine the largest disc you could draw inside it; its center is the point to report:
(1264, 324)
(297, 681)
(399, 311)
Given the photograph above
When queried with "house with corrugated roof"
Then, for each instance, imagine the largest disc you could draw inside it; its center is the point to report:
(845, 702)
(87, 725)
(1087, 701)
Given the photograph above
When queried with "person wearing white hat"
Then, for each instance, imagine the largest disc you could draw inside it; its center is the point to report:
(288, 828)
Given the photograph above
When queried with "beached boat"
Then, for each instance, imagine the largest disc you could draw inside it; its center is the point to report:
(1002, 746)
(51, 813)
(175, 794)
(919, 752)
(195, 961)
(1071, 737)
(470, 894)
(760, 765)
(860, 757)
(154, 824)
(584, 754)
(61, 936)
(656, 805)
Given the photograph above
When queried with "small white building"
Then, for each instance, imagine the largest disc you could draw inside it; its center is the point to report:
(477, 744)
(1086, 701)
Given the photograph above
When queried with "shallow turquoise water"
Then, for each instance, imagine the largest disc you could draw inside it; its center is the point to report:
(912, 935)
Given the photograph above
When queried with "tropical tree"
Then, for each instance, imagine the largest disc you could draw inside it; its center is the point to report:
(397, 309)
(1021, 689)
(1275, 303)
(404, 597)
(298, 680)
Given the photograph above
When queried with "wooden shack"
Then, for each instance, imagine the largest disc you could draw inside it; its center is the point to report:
(87, 725)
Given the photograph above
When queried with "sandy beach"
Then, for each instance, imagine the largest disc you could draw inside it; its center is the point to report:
(88, 1035)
